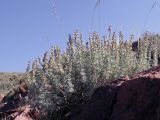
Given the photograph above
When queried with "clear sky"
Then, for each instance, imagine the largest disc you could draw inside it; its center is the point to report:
(28, 28)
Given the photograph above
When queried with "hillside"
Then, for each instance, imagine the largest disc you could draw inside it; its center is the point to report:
(8, 80)
(134, 98)
(62, 84)
(127, 98)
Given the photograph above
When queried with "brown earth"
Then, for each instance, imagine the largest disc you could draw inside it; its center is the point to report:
(135, 98)
(15, 108)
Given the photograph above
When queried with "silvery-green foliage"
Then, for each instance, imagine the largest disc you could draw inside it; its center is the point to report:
(83, 67)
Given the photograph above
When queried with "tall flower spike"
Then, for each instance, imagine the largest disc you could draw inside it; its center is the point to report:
(51, 58)
(28, 66)
(45, 61)
(109, 32)
(81, 38)
(76, 37)
(121, 40)
(114, 42)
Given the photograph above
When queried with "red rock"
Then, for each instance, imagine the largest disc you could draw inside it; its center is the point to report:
(22, 113)
(1, 96)
(134, 98)
(25, 114)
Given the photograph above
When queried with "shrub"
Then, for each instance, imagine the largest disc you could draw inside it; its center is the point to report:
(83, 67)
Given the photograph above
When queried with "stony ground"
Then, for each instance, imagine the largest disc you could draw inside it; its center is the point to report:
(127, 98)
(135, 98)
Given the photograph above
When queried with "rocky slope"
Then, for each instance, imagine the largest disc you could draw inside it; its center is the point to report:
(8, 80)
(135, 98)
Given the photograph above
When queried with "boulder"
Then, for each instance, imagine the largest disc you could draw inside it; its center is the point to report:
(1, 96)
(134, 98)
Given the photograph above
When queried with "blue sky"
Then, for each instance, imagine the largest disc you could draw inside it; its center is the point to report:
(28, 28)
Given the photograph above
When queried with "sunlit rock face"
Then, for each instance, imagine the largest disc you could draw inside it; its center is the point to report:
(1, 96)
(134, 98)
